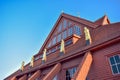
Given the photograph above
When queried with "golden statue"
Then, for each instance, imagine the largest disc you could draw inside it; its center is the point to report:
(62, 47)
(22, 65)
(44, 58)
(87, 34)
(32, 61)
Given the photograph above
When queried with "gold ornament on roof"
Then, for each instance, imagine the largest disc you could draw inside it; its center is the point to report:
(87, 34)
(32, 61)
(22, 65)
(44, 55)
(62, 46)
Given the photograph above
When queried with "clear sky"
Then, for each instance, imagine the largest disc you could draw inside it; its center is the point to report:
(25, 24)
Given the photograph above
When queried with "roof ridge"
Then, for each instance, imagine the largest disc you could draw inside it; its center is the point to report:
(102, 20)
(81, 19)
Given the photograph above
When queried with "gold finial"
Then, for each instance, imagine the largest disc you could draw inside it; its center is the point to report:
(22, 65)
(78, 14)
(62, 11)
(87, 34)
(32, 61)
(44, 56)
(62, 46)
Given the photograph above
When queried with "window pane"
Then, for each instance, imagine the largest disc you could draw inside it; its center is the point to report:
(65, 23)
(114, 68)
(70, 73)
(117, 58)
(60, 27)
(55, 78)
(64, 35)
(77, 30)
(69, 24)
(49, 51)
(112, 61)
(53, 49)
(59, 38)
(118, 65)
(70, 31)
(87, 42)
(68, 42)
(74, 70)
(54, 40)
(49, 44)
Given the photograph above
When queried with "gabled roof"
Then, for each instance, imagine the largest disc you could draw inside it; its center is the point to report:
(103, 20)
(80, 20)
(74, 18)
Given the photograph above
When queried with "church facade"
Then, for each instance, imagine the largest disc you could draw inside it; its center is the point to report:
(76, 49)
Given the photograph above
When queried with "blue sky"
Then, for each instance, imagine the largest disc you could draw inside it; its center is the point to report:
(25, 24)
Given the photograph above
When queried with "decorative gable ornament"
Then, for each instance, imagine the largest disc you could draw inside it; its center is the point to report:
(44, 58)
(62, 47)
(22, 65)
(32, 62)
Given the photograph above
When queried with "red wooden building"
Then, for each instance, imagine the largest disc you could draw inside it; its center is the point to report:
(76, 49)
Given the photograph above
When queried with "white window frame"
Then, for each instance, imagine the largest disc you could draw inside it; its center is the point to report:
(114, 64)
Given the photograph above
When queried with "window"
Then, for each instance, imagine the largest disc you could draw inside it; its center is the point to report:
(54, 41)
(29, 75)
(36, 58)
(48, 52)
(59, 38)
(53, 49)
(68, 42)
(49, 44)
(65, 29)
(77, 30)
(87, 42)
(70, 73)
(70, 31)
(58, 47)
(115, 64)
(64, 23)
(55, 78)
(69, 24)
(64, 34)
(60, 27)
(41, 56)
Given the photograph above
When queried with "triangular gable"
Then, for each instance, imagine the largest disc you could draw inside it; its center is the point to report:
(50, 34)
(103, 21)
(58, 23)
